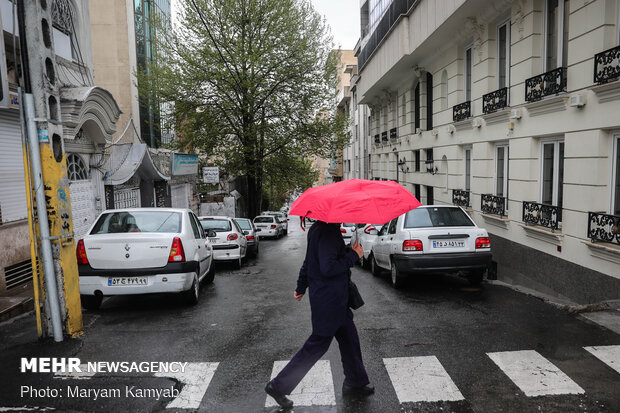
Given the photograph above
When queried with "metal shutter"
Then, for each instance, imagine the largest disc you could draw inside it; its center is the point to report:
(82, 206)
(12, 185)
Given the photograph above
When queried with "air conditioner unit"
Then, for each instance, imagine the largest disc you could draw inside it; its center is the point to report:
(515, 114)
(577, 101)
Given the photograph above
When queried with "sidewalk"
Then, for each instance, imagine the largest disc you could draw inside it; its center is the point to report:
(16, 301)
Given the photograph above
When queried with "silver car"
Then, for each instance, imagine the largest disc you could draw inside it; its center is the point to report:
(251, 234)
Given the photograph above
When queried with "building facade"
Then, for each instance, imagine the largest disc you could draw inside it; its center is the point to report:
(510, 109)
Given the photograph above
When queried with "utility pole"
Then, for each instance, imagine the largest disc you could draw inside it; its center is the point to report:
(61, 311)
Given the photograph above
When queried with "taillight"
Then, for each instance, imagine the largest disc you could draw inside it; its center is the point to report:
(80, 252)
(368, 229)
(176, 251)
(232, 237)
(344, 231)
(273, 227)
(249, 237)
(483, 242)
(412, 245)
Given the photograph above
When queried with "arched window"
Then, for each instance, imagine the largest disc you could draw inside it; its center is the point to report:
(76, 168)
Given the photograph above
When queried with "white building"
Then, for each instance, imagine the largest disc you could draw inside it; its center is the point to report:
(512, 108)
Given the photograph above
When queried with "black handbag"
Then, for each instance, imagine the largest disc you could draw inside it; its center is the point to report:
(355, 299)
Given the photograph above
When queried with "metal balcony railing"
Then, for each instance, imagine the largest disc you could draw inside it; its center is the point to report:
(604, 227)
(548, 216)
(461, 111)
(546, 84)
(494, 101)
(607, 65)
(492, 204)
(460, 197)
(430, 166)
(384, 136)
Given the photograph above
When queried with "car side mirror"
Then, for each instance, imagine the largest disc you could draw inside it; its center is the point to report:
(211, 233)
(374, 232)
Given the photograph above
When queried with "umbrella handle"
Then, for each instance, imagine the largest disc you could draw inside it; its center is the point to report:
(303, 220)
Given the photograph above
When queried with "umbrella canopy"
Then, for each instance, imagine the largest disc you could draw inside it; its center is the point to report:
(355, 201)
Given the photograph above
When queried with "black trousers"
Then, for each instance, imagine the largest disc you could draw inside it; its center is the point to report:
(314, 348)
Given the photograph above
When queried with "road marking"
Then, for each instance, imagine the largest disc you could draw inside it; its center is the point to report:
(609, 355)
(421, 379)
(534, 374)
(75, 375)
(316, 389)
(196, 380)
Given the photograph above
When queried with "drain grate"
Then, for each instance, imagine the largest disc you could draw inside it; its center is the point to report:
(18, 274)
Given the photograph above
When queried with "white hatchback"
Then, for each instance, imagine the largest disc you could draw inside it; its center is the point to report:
(228, 242)
(366, 235)
(141, 251)
(347, 230)
(432, 238)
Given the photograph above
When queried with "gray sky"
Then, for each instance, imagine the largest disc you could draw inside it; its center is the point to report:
(344, 18)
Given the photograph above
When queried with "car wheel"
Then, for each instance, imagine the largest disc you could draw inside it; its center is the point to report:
(191, 295)
(256, 251)
(211, 274)
(238, 264)
(397, 279)
(374, 268)
(475, 277)
(91, 302)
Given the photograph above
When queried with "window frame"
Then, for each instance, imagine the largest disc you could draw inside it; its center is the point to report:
(470, 149)
(615, 170)
(507, 24)
(555, 141)
(468, 71)
(560, 34)
(73, 155)
(505, 180)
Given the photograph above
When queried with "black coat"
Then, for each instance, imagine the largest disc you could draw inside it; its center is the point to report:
(325, 272)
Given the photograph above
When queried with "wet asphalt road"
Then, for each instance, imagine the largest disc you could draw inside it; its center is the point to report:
(247, 319)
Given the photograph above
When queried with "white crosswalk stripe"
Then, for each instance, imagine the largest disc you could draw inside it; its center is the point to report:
(196, 379)
(609, 355)
(316, 389)
(84, 374)
(533, 374)
(421, 379)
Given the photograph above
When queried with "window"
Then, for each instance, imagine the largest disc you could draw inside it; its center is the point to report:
(503, 55)
(195, 227)
(552, 172)
(615, 196)
(138, 221)
(429, 160)
(416, 155)
(437, 217)
(556, 34)
(392, 227)
(501, 171)
(76, 169)
(467, 156)
(468, 70)
(430, 199)
(444, 89)
(416, 104)
(429, 101)
(63, 22)
(417, 191)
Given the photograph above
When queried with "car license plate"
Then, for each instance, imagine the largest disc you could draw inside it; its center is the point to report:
(448, 244)
(213, 239)
(124, 281)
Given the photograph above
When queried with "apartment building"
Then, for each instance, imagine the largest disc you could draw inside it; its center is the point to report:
(510, 108)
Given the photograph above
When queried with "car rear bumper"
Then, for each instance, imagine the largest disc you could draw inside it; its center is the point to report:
(160, 283)
(448, 262)
(226, 252)
(268, 233)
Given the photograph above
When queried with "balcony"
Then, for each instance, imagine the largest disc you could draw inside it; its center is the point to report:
(494, 101)
(604, 227)
(548, 216)
(393, 134)
(491, 204)
(377, 139)
(430, 166)
(607, 66)
(343, 97)
(461, 111)
(460, 197)
(546, 84)
(384, 136)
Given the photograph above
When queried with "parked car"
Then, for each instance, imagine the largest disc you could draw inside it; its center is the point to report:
(347, 230)
(229, 242)
(281, 216)
(269, 225)
(366, 235)
(433, 238)
(142, 251)
(251, 234)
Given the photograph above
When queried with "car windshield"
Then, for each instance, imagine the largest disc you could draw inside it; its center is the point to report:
(138, 221)
(263, 219)
(244, 224)
(218, 225)
(437, 217)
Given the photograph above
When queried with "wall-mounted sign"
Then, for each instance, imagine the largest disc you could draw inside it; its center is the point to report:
(211, 174)
(183, 164)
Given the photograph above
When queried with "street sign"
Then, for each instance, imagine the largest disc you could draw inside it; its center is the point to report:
(211, 174)
(183, 164)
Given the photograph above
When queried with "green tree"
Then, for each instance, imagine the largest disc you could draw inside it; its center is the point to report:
(254, 85)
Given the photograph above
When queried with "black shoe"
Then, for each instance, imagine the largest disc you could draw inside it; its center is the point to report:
(281, 399)
(358, 391)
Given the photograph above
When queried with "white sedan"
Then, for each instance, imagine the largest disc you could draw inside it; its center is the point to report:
(142, 251)
(270, 226)
(228, 242)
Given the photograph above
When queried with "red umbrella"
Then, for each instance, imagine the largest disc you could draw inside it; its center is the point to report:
(355, 201)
